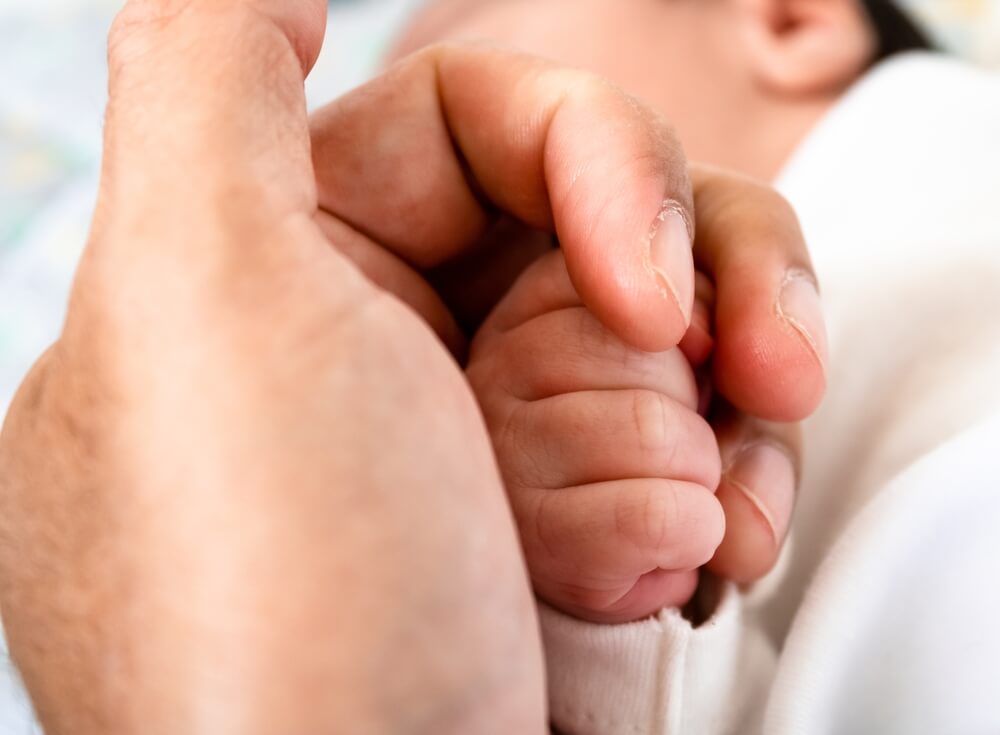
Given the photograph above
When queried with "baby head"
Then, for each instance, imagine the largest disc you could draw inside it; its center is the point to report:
(743, 81)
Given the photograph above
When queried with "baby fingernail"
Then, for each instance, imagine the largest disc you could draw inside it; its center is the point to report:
(765, 475)
(671, 258)
(799, 305)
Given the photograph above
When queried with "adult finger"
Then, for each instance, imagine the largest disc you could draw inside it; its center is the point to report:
(770, 339)
(757, 492)
(422, 158)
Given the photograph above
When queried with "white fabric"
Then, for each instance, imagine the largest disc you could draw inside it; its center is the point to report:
(885, 614)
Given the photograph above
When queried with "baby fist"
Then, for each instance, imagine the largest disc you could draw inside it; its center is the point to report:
(609, 467)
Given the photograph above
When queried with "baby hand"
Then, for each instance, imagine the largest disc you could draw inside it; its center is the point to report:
(609, 467)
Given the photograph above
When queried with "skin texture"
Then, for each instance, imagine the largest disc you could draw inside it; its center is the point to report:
(249, 490)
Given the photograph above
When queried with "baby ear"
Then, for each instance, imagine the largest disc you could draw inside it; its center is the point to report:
(798, 47)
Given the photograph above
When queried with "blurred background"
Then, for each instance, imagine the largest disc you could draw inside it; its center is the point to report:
(52, 94)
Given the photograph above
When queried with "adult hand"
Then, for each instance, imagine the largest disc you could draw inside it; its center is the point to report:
(247, 490)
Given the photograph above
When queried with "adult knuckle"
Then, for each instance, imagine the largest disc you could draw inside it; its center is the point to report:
(780, 212)
(150, 33)
(774, 214)
(579, 85)
(123, 44)
(135, 24)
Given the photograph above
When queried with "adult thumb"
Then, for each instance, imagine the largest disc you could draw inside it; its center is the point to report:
(206, 105)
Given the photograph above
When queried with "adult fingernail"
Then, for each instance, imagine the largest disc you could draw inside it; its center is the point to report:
(671, 259)
(799, 305)
(765, 475)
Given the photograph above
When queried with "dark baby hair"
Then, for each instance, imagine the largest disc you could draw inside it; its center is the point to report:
(896, 31)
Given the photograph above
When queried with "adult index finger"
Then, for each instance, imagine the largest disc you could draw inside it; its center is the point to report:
(421, 159)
